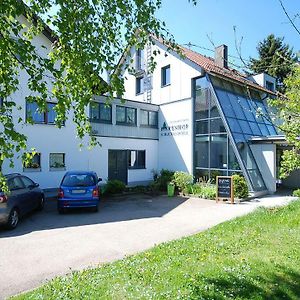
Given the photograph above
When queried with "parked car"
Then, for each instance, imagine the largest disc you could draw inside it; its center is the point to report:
(24, 197)
(79, 189)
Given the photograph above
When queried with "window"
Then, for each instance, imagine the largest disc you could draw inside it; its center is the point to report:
(35, 162)
(15, 184)
(149, 118)
(270, 85)
(139, 88)
(139, 59)
(137, 159)
(36, 116)
(126, 115)
(57, 160)
(27, 182)
(100, 112)
(165, 76)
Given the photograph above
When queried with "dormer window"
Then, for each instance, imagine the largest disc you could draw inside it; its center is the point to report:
(270, 85)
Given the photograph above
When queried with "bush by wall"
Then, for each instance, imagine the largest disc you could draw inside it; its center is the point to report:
(182, 180)
(162, 180)
(113, 187)
(240, 187)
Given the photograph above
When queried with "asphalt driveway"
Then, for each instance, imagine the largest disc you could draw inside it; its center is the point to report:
(47, 244)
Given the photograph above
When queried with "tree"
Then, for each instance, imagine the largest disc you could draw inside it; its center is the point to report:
(275, 58)
(89, 37)
(288, 108)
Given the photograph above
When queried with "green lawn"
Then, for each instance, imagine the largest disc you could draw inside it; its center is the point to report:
(252, 257)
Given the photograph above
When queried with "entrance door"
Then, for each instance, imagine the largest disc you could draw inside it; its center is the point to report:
(117, 165)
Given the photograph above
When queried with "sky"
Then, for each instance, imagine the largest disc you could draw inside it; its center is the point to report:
(210, 23)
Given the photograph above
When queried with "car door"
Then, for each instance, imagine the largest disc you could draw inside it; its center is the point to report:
(17, 196)
(31, 194)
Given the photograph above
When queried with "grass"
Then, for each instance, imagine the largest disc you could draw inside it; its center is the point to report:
(252, 257)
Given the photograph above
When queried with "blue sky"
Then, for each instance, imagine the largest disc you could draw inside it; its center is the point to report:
(254, 20)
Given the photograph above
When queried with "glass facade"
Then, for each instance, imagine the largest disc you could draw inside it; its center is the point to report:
(246, 115)
(213, 153)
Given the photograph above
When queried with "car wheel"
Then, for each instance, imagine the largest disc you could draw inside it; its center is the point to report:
(41, 203)
(13, 219)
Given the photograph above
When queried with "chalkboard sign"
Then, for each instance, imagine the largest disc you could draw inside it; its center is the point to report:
(225, 188)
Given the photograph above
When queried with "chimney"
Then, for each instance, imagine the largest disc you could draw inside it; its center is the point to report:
(221, 56)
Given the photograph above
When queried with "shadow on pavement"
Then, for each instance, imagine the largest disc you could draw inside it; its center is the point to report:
(110, 210)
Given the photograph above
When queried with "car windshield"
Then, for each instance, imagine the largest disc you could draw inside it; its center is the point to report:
(79, 180)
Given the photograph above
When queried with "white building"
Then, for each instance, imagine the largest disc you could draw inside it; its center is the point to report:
(193, 114)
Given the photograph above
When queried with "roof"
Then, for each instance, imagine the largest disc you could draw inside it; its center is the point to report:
(210, 66)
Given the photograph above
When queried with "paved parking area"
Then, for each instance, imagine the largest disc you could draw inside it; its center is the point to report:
(47, 244)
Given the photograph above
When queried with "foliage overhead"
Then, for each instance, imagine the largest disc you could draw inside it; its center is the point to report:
(88, 39)
(288, 110)
(275, 58)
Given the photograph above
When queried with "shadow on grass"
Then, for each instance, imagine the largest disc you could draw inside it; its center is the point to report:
(278, 284)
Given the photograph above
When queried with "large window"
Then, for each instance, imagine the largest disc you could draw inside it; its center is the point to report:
(100, 112)
(165, 76)
(33, 113)
(136, 159)
(34, 163)
(57, 160)
(126, 115)
(148, 118)
(139, 85)
(213, 154)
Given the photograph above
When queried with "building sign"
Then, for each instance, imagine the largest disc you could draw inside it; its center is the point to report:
(225, 188)
(175, 128)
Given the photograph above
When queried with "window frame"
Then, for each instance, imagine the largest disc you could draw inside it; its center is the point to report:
(138, 166)
(139, 83)
(126, 114)
(43, 113)
(139, 59)
(31, 168)
(99, 120)
(57, 168)
(164, 77)
(148, 118)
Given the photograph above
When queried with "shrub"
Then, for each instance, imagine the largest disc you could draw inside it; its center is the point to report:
(240, 187)
(196, 189)
(182, 180)
(209, 191)
(114, 187)
(162, 180)
(296, 193)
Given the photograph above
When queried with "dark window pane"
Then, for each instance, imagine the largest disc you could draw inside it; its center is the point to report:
(141, 159)
(144, 117)
(234, 125)
(51, 114)
(233, 163)
(105, 112)
(34, 114)
(138, 85)
(202, 127)
(263, 129)
(225, 103)
(202, 103)
(201, 151)
(165, 74)
(57, 160)
(95, 111)
(153, 118)
(130, 115)
(137, 159)
(216, 126)
(218, 151)
(255, 128)
(245, 127)
(272, 130)
(214, 112)
(237, 107)
(120, 114)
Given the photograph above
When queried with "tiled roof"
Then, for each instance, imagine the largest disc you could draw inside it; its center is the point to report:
(209, 65)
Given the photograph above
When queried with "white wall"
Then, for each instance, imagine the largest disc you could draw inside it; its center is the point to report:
(175, 144)
(265, 156)
(181, 70)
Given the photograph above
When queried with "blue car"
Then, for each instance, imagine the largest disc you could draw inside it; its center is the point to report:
(79, 189)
